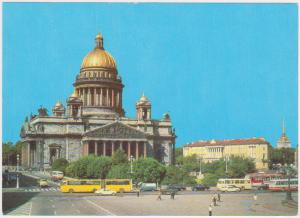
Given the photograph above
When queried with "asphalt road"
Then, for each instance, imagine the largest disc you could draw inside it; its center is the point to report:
(31, 200)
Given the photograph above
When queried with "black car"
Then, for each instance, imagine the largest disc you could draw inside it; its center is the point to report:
(200, 187)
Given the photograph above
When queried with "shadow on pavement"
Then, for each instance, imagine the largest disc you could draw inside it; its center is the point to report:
(12, 200)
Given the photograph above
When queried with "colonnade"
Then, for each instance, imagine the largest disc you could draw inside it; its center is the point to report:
(215, 152)
(100, 96)
(107, 148)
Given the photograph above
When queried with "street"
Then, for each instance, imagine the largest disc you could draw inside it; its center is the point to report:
(32, 200)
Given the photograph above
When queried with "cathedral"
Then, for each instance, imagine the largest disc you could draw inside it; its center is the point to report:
(93, 121)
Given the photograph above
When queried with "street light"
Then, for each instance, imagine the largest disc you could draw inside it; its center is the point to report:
(17, 171)
(131, 159)
(226, 166)
(200, 165)
(287, 170)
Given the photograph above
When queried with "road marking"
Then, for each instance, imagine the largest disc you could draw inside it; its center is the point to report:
(53, 205)
(78, 211)
(98, 206)
(55, 212)
(72, 205)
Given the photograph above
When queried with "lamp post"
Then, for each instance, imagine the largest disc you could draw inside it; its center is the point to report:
(131, 169)
(17, 171)
(288, 191)
(200, 165)
(226, 166)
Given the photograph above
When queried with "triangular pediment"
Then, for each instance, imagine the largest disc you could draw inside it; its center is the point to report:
(116, 130)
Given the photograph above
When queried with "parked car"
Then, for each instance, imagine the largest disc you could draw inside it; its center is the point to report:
(200, 187)
(105, 192)
(230, 188)
(43, 183)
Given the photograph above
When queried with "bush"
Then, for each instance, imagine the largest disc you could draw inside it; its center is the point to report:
(60, 164)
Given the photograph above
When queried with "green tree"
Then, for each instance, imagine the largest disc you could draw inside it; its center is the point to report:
(190, 163)
(148, 170)
(60, 164)
(81, 165)
(282, 156)
(210, 179)
(98, 167)
(179, 156)
(10, 151)
(119, 172)
(176, 175)
(119, 157)
(238, 167)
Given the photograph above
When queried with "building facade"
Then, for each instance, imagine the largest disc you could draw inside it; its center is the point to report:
(283, 141)
(256, 148)
(94, 122)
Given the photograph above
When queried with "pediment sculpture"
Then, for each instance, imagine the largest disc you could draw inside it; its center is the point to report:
(116, 130)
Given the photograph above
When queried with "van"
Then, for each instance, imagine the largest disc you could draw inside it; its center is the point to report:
(57, 175)
(148, 187)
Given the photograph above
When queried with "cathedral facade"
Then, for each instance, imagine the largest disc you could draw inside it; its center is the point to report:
(93, 121)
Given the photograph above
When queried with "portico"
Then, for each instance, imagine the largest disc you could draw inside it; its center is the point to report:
(106, 147)
(107, 139)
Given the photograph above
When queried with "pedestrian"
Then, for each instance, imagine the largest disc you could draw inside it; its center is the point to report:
(173, 194)
(138, 193)
(214, 200)
(210, 210)
(219, 197)
(159, 195)
(255, 197)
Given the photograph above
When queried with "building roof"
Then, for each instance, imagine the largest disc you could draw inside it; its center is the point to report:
(227, 142)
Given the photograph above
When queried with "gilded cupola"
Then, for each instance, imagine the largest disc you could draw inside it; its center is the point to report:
(98, 58)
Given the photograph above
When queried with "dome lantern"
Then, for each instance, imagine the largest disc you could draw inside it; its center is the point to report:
(99, 41)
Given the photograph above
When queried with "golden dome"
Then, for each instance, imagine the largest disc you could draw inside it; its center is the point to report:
(98, 57)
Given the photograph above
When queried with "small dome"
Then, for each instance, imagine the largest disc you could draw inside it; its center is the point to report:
(98, 57)
(144, 99)
(58, 104)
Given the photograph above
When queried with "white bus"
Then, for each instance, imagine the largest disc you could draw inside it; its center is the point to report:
(283, 185)
(240, 183)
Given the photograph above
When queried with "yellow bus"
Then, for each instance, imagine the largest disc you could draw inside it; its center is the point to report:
(89, 185)
(80, 186)
(118, 185)
(240, 183)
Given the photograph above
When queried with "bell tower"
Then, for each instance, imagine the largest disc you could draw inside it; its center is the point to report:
(143, 108)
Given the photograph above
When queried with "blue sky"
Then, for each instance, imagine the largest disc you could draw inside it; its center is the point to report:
(222, 71)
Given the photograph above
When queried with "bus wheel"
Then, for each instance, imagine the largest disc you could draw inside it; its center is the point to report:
(71, 190)
(242, 188)
(94, 190)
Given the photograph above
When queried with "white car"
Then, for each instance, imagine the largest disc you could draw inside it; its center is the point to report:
(105, 192)
(232, 188)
